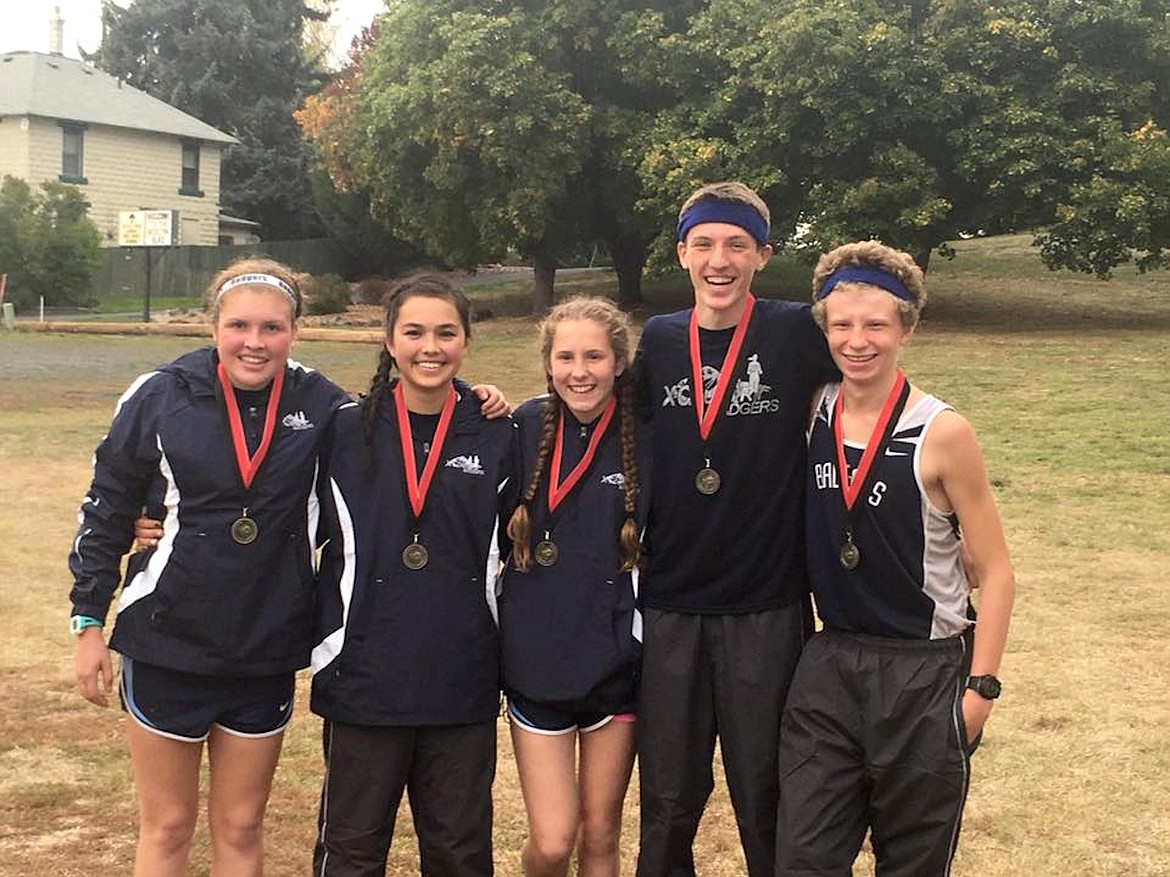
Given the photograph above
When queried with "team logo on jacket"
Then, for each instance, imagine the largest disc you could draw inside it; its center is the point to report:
(297, 420)
(617, 479)
(466, 463)
(749, 396)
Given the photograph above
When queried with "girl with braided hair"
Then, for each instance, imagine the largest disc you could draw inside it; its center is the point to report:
(569, 625)
(406, 666)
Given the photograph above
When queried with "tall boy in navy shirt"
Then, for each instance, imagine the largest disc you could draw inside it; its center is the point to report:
(727, 386)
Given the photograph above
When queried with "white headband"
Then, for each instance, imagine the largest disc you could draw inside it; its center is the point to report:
(263, 280)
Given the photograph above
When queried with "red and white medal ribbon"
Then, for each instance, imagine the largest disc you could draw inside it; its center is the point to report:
(557, 491)
(250, 465)
(416, 487)
(707, 413)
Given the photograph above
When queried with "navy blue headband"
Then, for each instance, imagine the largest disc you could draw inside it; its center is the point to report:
(731, 212)
(872, 276)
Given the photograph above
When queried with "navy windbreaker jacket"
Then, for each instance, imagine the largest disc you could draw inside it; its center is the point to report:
(571, 632)
(199, 602)
(397, 646)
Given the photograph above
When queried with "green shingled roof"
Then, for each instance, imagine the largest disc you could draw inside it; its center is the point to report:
(55, 87)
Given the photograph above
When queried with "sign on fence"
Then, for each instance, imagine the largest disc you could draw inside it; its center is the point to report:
(148, 228)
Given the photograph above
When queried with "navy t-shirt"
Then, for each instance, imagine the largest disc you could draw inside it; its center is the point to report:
(742, 549)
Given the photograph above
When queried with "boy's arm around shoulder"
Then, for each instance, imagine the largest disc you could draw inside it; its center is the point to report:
(962, 476)
(124, 463)
(123, 467)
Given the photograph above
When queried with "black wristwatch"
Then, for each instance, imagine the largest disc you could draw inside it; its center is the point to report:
(987, 687)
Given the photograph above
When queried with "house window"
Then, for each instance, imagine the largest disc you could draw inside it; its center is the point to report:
(73, 153)
(190, 182)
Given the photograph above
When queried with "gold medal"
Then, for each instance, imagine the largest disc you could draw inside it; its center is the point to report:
(707, 481)
(245, 530)
(850, 555)
(547, 552)
(855, 485)
(415, 556)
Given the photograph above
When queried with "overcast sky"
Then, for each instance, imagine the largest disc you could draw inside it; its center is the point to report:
(24, 24)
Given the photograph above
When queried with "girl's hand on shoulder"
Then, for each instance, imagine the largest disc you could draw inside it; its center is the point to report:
(92, 667)
(494, 404)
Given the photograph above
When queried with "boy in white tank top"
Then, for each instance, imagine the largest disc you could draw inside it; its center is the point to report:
(890, 698)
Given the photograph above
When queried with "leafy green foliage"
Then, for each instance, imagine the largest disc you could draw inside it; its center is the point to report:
(917, 122)
(475, 127)
(48, 246)
(1119, 214)
(482, 128)
(239, 66)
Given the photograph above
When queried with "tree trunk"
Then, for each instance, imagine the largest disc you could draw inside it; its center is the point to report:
(922, 257)
(629, 258)
(629, 276)
(544, 273)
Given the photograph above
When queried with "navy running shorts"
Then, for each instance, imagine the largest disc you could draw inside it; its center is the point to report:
(184, 706)
(542, 718)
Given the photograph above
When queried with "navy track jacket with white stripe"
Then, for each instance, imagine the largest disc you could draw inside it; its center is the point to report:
(199, 602)
(571, 632)
(397, 646)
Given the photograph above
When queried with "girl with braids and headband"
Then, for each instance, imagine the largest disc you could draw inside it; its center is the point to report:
(406, 666)
(568, 623)
(221, 446)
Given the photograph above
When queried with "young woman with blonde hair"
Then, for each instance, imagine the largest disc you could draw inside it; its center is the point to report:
(570, 629)
(213, 620)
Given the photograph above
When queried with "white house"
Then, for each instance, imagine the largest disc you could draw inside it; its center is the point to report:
(62, 119)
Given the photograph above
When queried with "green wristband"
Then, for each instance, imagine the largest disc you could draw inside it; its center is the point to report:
(78, 623)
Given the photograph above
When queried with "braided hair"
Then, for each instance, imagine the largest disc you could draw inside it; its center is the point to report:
(606, 314)
(520, 524)
(631, 539)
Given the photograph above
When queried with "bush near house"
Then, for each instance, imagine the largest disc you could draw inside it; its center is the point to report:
(327, 294)
(371, 290)
(48, 245)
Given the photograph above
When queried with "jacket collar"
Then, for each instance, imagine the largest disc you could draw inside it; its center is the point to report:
(466, 418)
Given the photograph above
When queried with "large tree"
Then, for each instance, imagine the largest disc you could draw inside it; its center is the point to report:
(239, 65)
(919, 121)
(482, 127)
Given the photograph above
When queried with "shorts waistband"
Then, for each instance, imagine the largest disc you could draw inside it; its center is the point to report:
(960, 642)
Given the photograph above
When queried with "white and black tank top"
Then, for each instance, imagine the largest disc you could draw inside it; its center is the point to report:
(909, 582)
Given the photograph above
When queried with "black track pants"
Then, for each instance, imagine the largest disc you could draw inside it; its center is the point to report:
(448, 773)
(873, 737)
(708, 676)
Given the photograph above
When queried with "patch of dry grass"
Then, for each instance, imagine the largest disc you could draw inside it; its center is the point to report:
(1064, 380)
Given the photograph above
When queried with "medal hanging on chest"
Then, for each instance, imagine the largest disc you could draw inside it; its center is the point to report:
(849, 555)
(245, 529)
(415, 555)
(853, 487)
(707, 479)
(546, 552)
